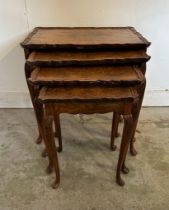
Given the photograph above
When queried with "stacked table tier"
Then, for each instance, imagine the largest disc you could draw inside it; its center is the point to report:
(87, 76)
(55, 58)
(88, 94)
(85, 38)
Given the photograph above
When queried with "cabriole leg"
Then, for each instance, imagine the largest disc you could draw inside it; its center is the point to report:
(51, 147)
(114, 131)
(58, 132)
(136, 113)
(127, 132)
(28, 70)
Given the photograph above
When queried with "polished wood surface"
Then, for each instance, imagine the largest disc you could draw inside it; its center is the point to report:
(89, 108)
(86, 94)
(85, 38)
(107, 76)
(45, 58)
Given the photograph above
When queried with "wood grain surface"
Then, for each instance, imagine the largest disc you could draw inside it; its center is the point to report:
(107, 76)
(83, 37)
(88, 94)
(54, 58)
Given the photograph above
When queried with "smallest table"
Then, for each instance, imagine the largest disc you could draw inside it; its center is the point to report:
(87, 100)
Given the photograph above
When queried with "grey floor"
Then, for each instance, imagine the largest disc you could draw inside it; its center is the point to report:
(87, 165)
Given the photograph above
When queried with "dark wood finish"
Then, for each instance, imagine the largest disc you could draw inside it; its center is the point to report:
(51, 149)
(114, 131)
(126, 137)
(86, 94)
(85, 38)
(89, 101)
(88, 107)
(58, 131)
(62, 58)
(140, 90)
(87, 76)
(34, 90)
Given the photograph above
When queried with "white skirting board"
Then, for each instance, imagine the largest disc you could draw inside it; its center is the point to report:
(22, 99)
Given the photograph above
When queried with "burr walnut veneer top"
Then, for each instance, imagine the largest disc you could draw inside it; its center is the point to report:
(85, 37)
(88, 94)
(107, 75)
(89, 57)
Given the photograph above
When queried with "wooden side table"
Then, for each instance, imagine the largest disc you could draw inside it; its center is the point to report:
(88, 101)
(80, 58)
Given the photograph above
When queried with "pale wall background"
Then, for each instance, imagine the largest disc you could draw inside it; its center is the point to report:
(18, 17)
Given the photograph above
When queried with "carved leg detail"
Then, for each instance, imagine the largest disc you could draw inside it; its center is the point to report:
(52, 153)
(136, 113)
(33, 92)
(47, 149)
(58, 132)
(114, 131)
(127, 132)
